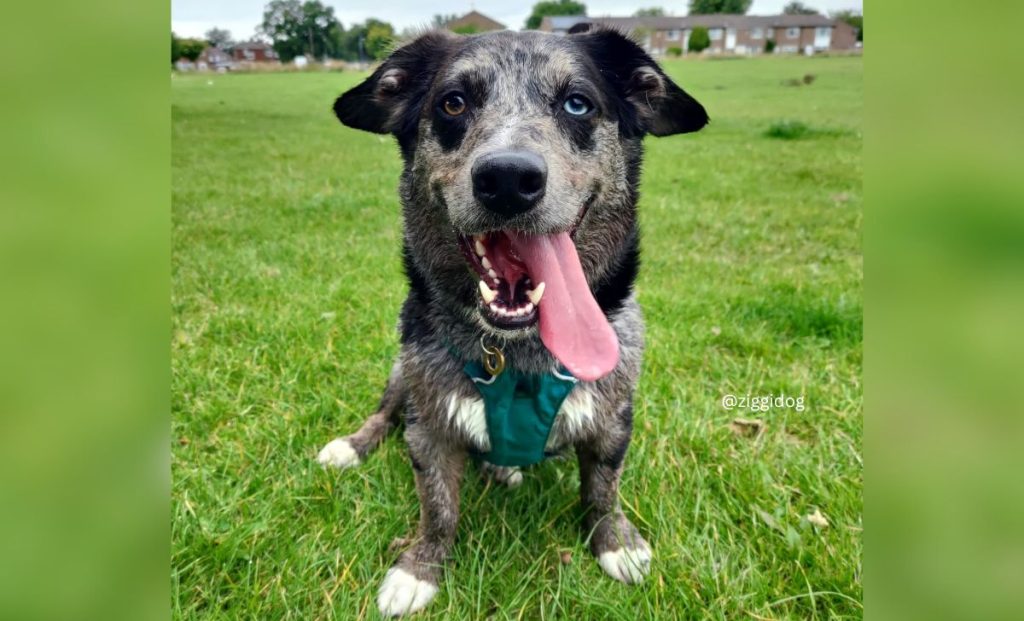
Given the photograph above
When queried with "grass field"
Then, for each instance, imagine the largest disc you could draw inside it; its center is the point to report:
(286, 288)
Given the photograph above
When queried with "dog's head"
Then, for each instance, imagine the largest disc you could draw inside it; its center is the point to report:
(522, 155)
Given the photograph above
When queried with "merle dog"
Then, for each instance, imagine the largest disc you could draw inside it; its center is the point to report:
(522, 156)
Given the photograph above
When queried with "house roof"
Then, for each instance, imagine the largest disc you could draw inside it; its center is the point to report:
(717, 20)
(251, 45)
(802, 20)
(475, 18)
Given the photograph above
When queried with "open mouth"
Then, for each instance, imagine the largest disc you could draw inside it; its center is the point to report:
(509, 298)
(537, 279)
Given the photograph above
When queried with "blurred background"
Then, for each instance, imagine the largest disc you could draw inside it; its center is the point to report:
(283, 222)
(240, 35)
(84, 241)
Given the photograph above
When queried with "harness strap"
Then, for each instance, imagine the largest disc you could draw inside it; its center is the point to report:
(520, 410)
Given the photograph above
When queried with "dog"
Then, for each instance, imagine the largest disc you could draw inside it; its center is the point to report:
(521, 336)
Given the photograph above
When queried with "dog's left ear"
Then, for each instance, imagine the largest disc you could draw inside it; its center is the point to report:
(661, 107)
(381, 102)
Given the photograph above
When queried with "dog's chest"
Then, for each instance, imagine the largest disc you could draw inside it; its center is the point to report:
(467, 416)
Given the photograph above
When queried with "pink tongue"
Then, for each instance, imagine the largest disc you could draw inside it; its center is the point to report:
(572, 326)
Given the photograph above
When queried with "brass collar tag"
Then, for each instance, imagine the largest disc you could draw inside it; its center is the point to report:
(494, 360)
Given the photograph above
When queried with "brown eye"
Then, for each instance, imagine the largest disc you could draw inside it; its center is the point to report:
(453, 104)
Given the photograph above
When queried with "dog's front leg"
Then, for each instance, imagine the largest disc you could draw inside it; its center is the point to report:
(617, 544)
(412, 582)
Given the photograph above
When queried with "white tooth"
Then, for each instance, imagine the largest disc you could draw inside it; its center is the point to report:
(487, 293)
(479, 247)
(536, 294)
(528, 308)
(492, 274)
(521, 311)
(494, 307)
(485, 263)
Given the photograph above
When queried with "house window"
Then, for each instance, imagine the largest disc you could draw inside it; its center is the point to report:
(249, 54)
(673, 35)
(715, 34)
(792, 33)
(757, 33)
(822, 32)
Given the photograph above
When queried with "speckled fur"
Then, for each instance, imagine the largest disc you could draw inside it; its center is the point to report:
(515, 82)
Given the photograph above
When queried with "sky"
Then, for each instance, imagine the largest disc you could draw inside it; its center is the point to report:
(192, 18)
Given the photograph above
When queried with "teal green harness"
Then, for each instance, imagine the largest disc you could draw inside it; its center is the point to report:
(520, 409)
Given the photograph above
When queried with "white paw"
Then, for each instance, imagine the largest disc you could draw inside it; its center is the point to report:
(402, 593)
(514, 479)
(510, 476)
(626, 565)
(338, 453)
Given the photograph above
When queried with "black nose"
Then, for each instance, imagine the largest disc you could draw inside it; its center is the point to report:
(509, 182)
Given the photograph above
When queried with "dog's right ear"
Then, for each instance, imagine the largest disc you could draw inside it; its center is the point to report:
(397, 87)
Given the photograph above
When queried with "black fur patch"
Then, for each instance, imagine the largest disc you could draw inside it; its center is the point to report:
(450, 131)
(413, 325)
(474, 86)
(578, 131)
(396, 109)
(416, 465)
(665, 111)
(617, 455)
(617, 285)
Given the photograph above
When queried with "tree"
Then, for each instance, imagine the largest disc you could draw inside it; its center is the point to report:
(308, 28)
(379, 36)
(189, 49)
(654, 11)
(175, 47)
(440, 21)
(699, 40)
(798, 8)
(218, 37)
(852, 18)
(704, 7)
(553, 7)
(367, 41)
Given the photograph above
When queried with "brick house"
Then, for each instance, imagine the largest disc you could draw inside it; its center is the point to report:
(253, 51)
(474, 22)
(730, 34)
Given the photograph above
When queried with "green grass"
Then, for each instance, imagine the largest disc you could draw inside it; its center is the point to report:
(286, 288)
(795, 130)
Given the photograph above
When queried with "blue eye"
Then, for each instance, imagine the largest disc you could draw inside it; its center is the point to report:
(577, 105)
